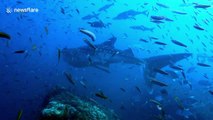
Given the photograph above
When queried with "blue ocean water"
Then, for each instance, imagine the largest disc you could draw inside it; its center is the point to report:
(33, 59)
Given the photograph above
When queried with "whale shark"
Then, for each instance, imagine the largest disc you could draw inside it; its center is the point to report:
(104, 54)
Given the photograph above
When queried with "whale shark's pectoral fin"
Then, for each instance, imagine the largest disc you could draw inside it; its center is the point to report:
(158, 62)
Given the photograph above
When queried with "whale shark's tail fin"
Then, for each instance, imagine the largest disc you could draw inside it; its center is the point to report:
(161, 61)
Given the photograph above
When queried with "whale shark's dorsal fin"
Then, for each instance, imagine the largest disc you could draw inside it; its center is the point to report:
(109, 43)
(158, 62)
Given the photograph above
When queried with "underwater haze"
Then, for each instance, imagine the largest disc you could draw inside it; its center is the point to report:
(121, 59)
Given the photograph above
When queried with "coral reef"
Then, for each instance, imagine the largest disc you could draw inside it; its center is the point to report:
(63, 105)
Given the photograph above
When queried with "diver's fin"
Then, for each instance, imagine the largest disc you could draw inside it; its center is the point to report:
(161, 61)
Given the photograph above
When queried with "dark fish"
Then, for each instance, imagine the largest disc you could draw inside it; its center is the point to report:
(179, 103)
(211, 92)
(89, 44)
(142, 28)
(143, 40)
(138, 89)
(153, 38)
(90, 16)
(46, 30)
(77, 11)
(168, 19)
(183, 74)
(198, 27)
(83, 84)
(157, 17)
(19, 2)
(157, 21)
(100, 94)
(62, 10)
(202, 6)
(99, 24)
(161, 71)
(122, 107)
(105, 7)
(164, 92)
(160, 43)
(122, 89)
(4, 35)
(19, 51)
(203, 65)
(162, 5)
(20, 112)
(176, 67)
(155, 102)
(59, 55)
(179, 12)
(69, 77)
(159, 83)
(178, 43)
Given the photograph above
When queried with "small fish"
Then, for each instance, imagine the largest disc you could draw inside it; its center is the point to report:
(180, 104)
(5, 35)
(143, 40)
(157, 21)
(89, 44)
(176, 67)
(164, 92)
(142, 28)
(178, 43)
(89, 33)
(180, 13)
(20, 51)
(115, 53)
(19, 2)
(46, 30)
(20, 112)
(211, 92)
(202, 6)
(83, 84)
(203, 64)
(34, 47)
(105, 7)
(160, 43)
(198, 27)
(161, 71)
(90, 16)
(183, 74)
(159, 83)
(69, 77)
(155, 102)
(59, 54)
(62, 10)
(162, 5)
(77, 11)
(158, 17)
(153, 38)
(138, 89)
(168, 19)
(100, 94)
(122, 89)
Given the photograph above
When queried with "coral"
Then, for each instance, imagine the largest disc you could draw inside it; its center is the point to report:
(65, 106)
